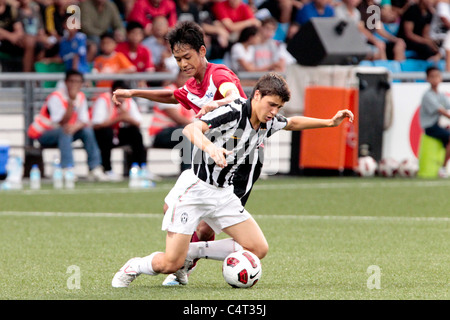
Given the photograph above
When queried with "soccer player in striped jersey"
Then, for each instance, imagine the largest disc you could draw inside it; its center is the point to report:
(209, 86)
(223, 139)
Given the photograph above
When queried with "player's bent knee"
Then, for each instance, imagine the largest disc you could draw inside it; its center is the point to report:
(260, 250)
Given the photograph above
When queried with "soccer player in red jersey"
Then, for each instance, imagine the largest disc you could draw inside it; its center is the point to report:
(209, 86)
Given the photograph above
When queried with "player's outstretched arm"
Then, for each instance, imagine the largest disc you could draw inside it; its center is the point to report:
(299, 123)
(195, 133)
(160, 95)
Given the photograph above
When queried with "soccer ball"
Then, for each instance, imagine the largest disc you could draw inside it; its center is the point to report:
(367, 166)
(388, 167)
(408, 168)
(241, 269)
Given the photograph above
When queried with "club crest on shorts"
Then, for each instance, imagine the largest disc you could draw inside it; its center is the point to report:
(184, 217)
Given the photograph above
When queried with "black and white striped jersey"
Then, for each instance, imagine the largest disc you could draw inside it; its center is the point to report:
(230, 128)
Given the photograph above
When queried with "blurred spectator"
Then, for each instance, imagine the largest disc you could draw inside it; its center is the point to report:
(312, 9)
(235, 15)
(187, 11)
(73, 49)
(167, 123)
(216, 35)
(440, 22)
(124, 7)
(281, 10)
(110, 61)
(97, 18)
(267, 51)
(144, 11)
(35, 37)
(415, 30)
(158, 45)
(54, 17)
(12, 33)
(139, 55)
(242, 53)
(63, 119)
(385, 45)
(117, 125)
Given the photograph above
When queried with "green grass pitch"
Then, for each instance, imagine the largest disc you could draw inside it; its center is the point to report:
(330, 238)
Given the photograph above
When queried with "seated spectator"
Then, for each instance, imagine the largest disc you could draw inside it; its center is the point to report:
(187, 11)
(385, 45)
(242, 54)
(11, 35)
(267, 51)
(168, 122)
(435, 106)
(235, 15)
(35, 37)
(216, 35)
(440, 26)
(139, 55)
(415, 30)
(63, 119)
(157, 44)
(144, 11)
(117, 125)
(110, 61)
(54, 18)
(73, 49)
(312, 9)
(97, 18)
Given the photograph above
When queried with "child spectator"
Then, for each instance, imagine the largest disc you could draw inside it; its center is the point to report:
(139, 55)
(267, 50)
(73, 49)
(97, 18)
(110, 61)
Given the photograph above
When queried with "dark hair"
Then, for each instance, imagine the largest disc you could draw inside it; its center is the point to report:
(119, 84)
(430, 69)
(186, 33)
(134, 25)
(247, 32)
(273, 84)
(73, 72)
(107, 34)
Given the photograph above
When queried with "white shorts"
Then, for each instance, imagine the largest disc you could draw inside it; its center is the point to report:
(192, 200)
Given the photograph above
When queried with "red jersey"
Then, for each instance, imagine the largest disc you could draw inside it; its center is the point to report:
(141, 59)
(143, 12)
(195, 95)
(223, 10)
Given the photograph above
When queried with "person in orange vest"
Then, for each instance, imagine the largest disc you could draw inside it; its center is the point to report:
(167, 124)
(63, 119)
(116, 125)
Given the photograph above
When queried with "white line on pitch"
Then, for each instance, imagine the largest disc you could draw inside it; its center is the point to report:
(258, 216)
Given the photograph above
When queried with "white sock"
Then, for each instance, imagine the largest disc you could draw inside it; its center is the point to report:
(216, 250)
(144, 265)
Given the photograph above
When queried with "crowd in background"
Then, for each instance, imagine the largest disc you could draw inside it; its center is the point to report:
(127, 36)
